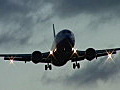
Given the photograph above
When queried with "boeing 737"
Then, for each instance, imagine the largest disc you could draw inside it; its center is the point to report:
(61, 52)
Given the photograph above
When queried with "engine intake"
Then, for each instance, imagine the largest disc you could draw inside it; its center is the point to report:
(36, 57)
(90, 54)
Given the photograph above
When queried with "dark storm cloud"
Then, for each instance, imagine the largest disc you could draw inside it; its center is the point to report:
(18, 10)
(14, 38)
(66, 8)
(17, 20)
(90, 74)
(9, 8)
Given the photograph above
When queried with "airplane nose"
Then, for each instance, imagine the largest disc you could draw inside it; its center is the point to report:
(67, 36)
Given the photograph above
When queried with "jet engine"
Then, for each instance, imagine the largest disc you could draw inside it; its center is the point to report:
(90, 54)
(36, 57)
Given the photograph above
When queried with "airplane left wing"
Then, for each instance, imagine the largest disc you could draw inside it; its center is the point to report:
(91, 53)
(107, 52)
(35, 57)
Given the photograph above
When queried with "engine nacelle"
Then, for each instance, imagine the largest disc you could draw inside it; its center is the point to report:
(90, 54)
(36, 57)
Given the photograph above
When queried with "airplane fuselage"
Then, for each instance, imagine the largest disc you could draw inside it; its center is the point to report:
(64, 41)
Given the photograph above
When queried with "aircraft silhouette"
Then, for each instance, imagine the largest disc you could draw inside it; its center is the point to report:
(61, 52)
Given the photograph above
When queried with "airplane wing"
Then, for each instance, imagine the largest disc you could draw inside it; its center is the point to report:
(38, 57)
(17, 57)
(105, 52)
(28, 57)
(91, 53)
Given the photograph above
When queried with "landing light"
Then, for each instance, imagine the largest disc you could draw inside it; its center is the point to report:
(55, 50)
(74, 53)
(110, 56)
(11, 60)
(74, 50)
(51, 52)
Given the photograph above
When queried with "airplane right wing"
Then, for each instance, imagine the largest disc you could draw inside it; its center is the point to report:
(35, 57)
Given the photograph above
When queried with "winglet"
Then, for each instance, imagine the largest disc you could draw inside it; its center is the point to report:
(54, 30)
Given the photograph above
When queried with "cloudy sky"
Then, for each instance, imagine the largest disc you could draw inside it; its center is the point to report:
(26, 26)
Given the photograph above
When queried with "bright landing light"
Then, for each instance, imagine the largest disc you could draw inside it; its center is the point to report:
(74, 50)
(11, 60)
(51, 52)
(110, 56)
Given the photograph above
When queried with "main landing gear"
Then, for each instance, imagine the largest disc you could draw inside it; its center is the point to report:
(48, 66)
(76, 65)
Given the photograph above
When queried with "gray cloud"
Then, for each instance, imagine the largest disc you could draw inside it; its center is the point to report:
(18, 10)
(90, 74)
(67, 8)
(94, 72)
(18, 19)
(62, 8)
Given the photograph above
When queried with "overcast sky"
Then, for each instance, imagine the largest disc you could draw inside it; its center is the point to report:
(26, 26)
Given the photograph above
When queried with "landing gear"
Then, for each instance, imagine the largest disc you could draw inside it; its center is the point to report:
(76, 65)
(48, 67)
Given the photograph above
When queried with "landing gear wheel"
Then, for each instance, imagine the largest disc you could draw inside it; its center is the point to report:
(78, 65)
(46, 67)
(74, 65)
(50, 67)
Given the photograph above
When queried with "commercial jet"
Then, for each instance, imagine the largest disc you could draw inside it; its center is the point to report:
(62, 51)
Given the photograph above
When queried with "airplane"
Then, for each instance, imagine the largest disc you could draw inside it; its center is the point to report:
(62, 51)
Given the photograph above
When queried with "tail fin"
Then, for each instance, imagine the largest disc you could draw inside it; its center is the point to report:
(54, 30)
